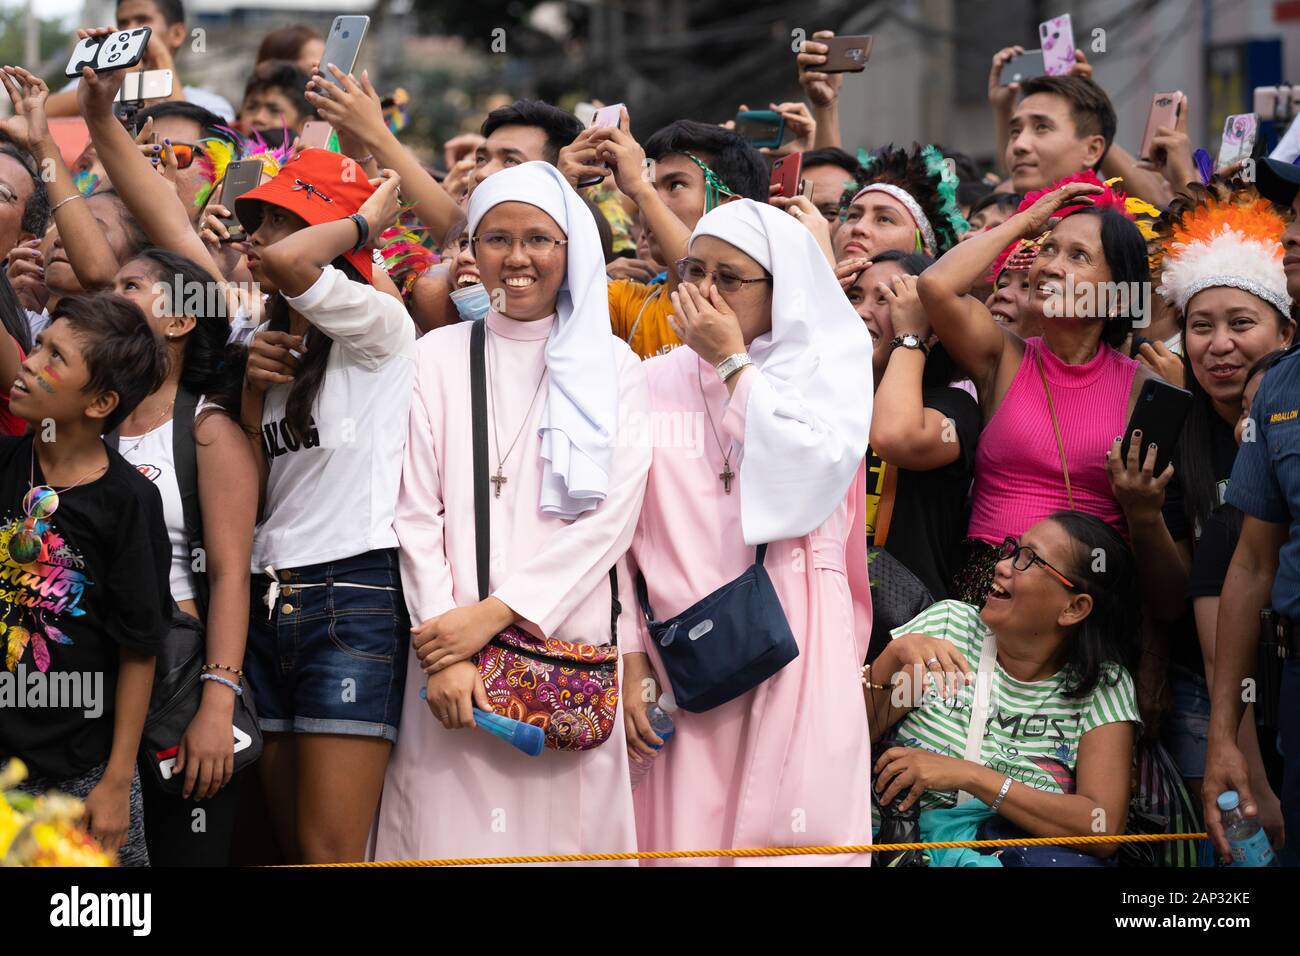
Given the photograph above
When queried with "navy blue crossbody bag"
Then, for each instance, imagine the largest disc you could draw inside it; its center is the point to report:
(725, 644)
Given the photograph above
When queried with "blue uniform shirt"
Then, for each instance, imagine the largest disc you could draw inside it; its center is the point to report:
(1266, 476)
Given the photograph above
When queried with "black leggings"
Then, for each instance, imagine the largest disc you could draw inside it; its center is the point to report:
(178, 834)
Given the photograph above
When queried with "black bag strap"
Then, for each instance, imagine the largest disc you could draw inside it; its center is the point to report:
(643, 594)
(185, 461)
(478, 431)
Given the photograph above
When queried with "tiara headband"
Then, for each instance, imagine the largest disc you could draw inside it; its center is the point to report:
(913, 207)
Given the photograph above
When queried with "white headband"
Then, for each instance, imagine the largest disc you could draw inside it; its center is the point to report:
(913, 207)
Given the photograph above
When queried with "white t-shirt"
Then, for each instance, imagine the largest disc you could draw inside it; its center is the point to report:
(194, 94)
(151, 454)
(332, 495)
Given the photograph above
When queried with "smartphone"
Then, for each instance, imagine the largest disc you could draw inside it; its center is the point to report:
(315, 133)
(112, 51)
(608, 116)
(1158, 414)
(150, 85)
(761, 128)
(1023, 66)
(586, 112)
(241, 177)
(343, 44)
(1056, 37)
(786, 173)
(1277, 103)
(847, 54)
(1239, 135)
(1164, 112)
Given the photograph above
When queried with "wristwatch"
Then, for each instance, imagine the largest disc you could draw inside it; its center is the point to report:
(910, 341)
(732, 364)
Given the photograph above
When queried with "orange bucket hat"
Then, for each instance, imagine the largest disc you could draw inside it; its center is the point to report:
(318, 186)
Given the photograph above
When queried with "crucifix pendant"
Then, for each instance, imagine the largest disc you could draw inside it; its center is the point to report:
(726, 475)
(498, 480)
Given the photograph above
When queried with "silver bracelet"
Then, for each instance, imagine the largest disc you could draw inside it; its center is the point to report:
(55, 207)
(1002, 794)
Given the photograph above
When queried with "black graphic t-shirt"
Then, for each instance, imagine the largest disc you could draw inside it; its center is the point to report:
(76, 586)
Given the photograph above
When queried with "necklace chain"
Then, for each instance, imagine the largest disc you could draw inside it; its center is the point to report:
(499, 479)
(148, 431)
(726, 475)
(31, 475)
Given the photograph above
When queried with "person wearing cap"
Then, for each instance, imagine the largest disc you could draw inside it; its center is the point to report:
(773, 358)
(565, 402)
(325, 398)
(1280, 182)
(1265, 568)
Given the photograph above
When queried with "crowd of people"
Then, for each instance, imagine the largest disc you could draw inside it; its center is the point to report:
(771, 519)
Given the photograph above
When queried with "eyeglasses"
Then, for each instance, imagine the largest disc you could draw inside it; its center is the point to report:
(503, 243)
(184, 153)
(688, 270)
(1023, 557)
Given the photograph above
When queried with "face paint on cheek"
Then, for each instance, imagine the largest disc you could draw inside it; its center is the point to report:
(47, 378)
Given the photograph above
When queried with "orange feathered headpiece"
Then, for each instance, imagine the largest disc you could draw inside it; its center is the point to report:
(1225, 236)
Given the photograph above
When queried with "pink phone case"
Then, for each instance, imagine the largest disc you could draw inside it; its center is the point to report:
(1057, 39)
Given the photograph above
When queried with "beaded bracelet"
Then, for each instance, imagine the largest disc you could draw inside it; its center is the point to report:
(866, 680)
(223, 667)
(239, 691)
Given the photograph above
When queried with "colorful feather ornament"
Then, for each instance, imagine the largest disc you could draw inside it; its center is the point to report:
(1110, 197)
(929, 183)
(1223, 235)
(220, 151)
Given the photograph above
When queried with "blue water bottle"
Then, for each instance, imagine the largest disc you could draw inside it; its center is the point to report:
(1246, 838)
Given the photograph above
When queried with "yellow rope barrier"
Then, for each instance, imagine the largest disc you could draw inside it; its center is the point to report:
(773, 851)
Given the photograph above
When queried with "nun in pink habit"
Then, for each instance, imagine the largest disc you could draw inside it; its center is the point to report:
(558, 386)
(780, 460)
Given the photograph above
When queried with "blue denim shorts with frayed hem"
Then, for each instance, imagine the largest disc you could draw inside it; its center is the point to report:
(331, 656)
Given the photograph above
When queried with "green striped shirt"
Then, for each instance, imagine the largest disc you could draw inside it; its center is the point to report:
(1033, 729)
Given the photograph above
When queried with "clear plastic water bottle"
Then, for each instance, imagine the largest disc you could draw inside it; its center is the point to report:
(1246, 838)
(662, 725)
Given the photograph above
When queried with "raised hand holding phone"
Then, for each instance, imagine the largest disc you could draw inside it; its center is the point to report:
(821, 86)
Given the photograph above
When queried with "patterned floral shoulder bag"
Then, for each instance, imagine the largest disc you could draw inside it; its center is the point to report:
(570, 690)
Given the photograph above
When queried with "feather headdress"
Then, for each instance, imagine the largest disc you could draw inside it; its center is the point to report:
(220, 151)
(924, 182)
(1224, 236)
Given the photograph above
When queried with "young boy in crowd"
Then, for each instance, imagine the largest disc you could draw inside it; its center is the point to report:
(696, 167)
(84, 563)
(274, 100)
(167, 20)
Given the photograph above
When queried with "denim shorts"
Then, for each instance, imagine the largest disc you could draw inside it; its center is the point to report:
(1187, 726)
(331, 657)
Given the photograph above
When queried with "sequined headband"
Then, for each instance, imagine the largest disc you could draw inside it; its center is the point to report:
(913, 207)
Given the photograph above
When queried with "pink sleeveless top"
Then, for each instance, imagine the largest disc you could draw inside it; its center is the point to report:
(1018, 477)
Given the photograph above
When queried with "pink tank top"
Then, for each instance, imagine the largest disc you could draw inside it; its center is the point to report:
(1018, 478)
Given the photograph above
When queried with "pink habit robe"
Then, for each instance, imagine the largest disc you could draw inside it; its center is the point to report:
(451, 793)
(789, 762)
